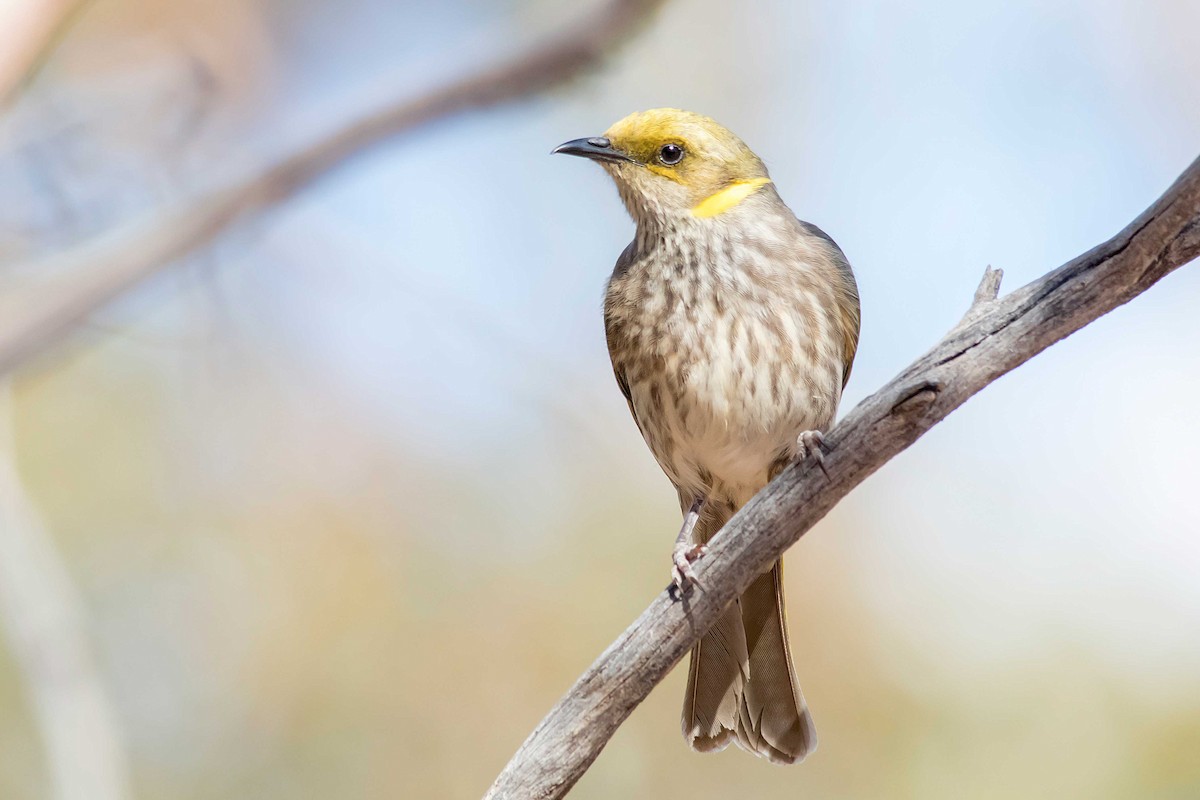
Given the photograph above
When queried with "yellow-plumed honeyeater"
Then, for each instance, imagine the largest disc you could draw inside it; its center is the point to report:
(732, 326)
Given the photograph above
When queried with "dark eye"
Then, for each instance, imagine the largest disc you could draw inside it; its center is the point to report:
(670, 154)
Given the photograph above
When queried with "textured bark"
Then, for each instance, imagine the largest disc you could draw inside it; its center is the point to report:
(995, 336)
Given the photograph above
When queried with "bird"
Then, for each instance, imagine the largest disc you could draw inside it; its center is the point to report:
(732, 328)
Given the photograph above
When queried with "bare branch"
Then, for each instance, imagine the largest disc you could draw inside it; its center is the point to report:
(41, 616)
(118, 261)
(29, 35)
(1006, 333)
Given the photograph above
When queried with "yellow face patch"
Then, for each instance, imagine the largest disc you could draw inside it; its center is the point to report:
(665, 172)
(727, 198)
(707, 170)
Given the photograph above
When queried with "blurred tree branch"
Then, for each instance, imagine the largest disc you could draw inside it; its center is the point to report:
(43, 620)
(39, 607)
(116, 262)
(994, 337)
(28, 36)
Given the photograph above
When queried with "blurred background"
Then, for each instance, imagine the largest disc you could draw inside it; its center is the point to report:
(343, 498)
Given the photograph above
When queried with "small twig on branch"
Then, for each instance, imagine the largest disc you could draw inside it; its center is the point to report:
(985, 295)
(109, 266)
(989, 287)
(997, 336)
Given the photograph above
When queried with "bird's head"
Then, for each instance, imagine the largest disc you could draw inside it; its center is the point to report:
(669, 163)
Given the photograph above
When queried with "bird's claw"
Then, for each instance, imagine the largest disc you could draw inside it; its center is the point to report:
(808, 445)
(682, 576)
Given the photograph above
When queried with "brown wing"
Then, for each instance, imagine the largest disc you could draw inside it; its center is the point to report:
(851, 320)
(623, 385)
(845, 295)
(611, 334)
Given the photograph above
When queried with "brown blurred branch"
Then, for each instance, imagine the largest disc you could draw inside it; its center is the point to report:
(118, 261)
(995, 336)
(29, 34)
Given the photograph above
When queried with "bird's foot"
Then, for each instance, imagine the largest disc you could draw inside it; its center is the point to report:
(682, 558)
(808, 445)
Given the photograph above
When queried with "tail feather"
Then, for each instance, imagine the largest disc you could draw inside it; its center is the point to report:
(717, 677)
(773, 717)
(741, 683)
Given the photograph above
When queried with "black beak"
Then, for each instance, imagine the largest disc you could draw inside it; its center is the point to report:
(596, 148)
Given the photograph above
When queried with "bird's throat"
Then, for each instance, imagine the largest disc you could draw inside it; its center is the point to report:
(727, 198)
